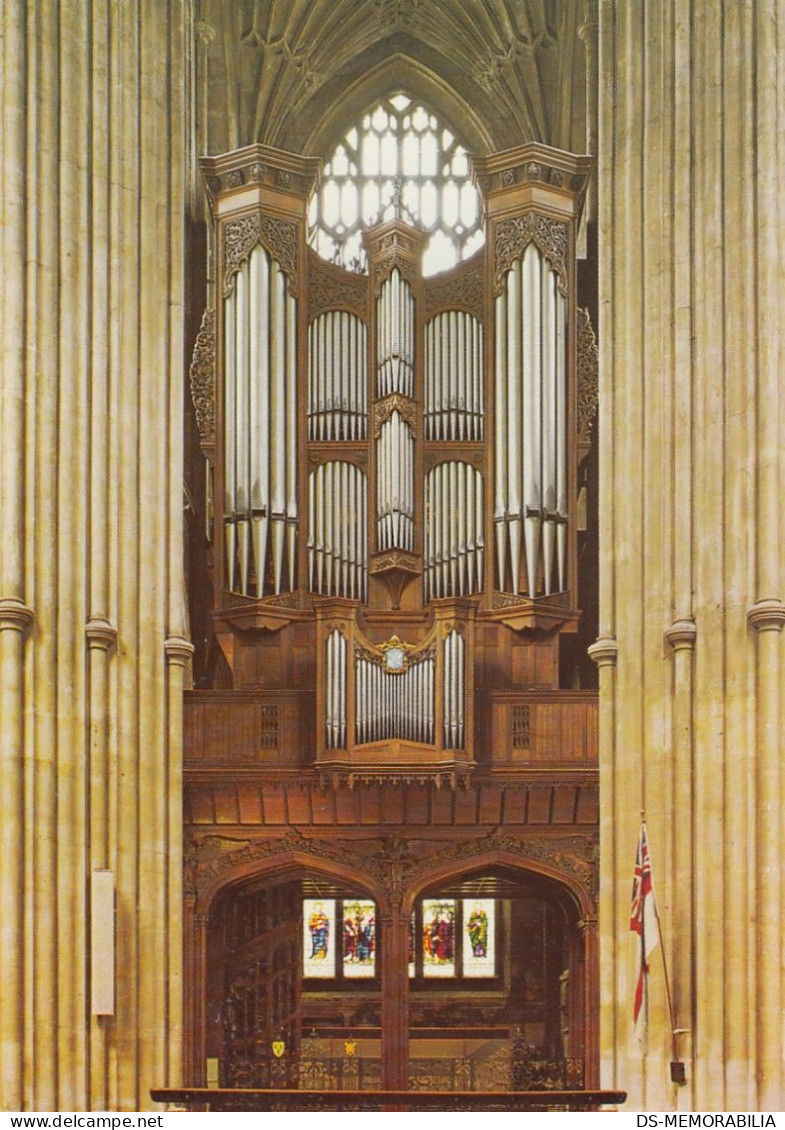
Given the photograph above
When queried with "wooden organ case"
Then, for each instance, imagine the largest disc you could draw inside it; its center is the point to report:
(393, 481)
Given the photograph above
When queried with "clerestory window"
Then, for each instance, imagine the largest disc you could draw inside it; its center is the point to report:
(399, 159)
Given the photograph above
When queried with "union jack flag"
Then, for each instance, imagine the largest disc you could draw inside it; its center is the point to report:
(643, 917)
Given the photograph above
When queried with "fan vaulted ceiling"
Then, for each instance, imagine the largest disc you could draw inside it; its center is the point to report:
(292, 73)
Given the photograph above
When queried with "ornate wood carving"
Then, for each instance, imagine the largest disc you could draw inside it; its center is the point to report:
(331, 288)
(512, 236)
(461, 289)
(383, 410)
(521, 726)
(393, 864)
(388, 261)
(202, 374)
(588, 376)
(278, 237)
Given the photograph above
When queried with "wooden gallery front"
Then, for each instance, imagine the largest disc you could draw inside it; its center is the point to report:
(390, 786)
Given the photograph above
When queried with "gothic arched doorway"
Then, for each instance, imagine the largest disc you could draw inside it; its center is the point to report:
(308, 980)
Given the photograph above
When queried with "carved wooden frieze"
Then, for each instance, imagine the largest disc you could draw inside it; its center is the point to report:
(396, 865)
(512, 236)
(202, 375)
(383, 410)
(463, 289)
(387, 262)
(278, 237)
(332, 288)
(588, 367)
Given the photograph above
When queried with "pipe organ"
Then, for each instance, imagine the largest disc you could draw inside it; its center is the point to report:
(337, 377)
(530, 508)
(454, 378)
(395, 337)
(394, 703)
(338, 531)
(395, 484)
(394, 456)
(260, 428)
(453, 558)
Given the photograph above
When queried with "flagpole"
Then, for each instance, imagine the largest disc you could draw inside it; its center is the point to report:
(677, 1067)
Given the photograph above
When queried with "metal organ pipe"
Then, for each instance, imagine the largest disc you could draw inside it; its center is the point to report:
(260, 429)
(454, 538)
(337, 543)
(530, 499)
(335, 721)
(392, 705)
(453, 378)
(337, 377)
(395, 484)
(395, 337)
(454, 675)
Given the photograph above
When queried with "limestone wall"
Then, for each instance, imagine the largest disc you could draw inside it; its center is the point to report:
(92, 647)
(692, 155)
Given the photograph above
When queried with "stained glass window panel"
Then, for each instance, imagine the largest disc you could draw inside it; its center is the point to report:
(438, 937)
(479, 938)
(359, 938)
(318, 937)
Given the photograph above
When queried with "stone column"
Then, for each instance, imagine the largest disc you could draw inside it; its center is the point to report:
(91, 243)
(691, 159)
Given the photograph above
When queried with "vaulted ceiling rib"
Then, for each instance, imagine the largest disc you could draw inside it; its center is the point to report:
(268, 65)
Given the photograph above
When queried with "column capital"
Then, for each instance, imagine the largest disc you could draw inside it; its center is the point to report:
(681, 635)
(15, 616)
(101, 634)
(604, 651)
(178, 651)
(766, 615)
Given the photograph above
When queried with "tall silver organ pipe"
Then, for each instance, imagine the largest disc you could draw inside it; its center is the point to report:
(454, 407)
(454, 674)
(395, 484)
(395, 337)
(335, 713)
(530, 468)
(260, 429)
(338, 531)
(337, 377)
(454, 543)
(394, 704)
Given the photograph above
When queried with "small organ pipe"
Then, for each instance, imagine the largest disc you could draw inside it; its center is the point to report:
(453, 407)
(338, 560)
(453, 538)
(394, 705)
(337, 384)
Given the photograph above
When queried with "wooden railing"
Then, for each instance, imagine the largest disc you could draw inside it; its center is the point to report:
(225, 1099)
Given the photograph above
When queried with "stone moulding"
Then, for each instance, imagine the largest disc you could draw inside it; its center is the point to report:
(604, 652)
(15, 615)
(767, 615)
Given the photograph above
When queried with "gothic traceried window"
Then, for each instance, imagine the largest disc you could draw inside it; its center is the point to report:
(400, 157)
